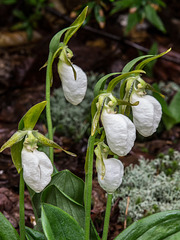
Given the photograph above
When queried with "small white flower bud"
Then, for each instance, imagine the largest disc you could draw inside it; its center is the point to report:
(74, 89)
(37, 169)
(120, 132)
(113, 175)
(147, 114)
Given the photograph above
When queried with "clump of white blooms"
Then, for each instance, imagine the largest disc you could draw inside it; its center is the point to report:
(37, 167)
(147, 114)
(153, 186)
(112, 179)
(74, 89)
(120, 132)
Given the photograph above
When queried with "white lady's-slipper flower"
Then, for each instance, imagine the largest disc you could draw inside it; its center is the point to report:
(74, 89)
(120, 132)
(113, 175)
(147, 114)
(37, 169)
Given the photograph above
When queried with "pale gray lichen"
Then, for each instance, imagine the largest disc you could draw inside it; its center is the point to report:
(153, 186)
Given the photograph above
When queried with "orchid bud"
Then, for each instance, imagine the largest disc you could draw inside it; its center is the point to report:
(113, 175)
(37, 169)
(120, 132)
(74, 89)
(147, 114)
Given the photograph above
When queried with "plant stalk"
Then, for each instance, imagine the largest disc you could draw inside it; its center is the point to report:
(107, 217)
(48, 109)
(88, 185)
(21, 207)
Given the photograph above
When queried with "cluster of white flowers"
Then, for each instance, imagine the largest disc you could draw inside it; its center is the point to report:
(121, 132)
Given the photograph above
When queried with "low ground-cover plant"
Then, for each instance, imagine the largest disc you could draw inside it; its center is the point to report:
(152, 186)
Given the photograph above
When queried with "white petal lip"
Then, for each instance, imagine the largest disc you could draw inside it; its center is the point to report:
(74, 90)
(120, 132)
(37, 169)
(146, 115)
(113, 176)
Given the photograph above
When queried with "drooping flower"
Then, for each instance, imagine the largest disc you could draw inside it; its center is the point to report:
(120, 132)
(147, 114)
(37, 169)
(74, 89)
(113, 175)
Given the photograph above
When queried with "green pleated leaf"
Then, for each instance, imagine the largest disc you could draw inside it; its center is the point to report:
(75, 26)
(7, 231)
(49, 143)
(16, 137)
(163, 225)
(29, 120)
(145, 62)
(100, 84)
(70, 184)
(131, 64)
(16, 155)
(58, 225)
(32, 234)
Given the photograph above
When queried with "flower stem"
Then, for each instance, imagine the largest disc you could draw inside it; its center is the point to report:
(48, 109)
(21, 207)
(88, 184)
(107, 217)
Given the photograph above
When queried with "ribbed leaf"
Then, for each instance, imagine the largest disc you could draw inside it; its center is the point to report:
(163, 225)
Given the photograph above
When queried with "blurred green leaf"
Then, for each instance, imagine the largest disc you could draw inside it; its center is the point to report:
(7, 231)
(174, 107)
(153, 18)
(133, 20)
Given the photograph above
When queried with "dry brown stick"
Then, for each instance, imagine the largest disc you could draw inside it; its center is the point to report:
(110, 36)
(126, 212)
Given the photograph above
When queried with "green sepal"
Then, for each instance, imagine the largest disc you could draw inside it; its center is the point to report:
(49, 143)
(29, 120)
(148, 86)
(118, 79)
(16, 155)
(16, 137)
(75, 25)
(100, 84)
(145, 62)
(97, 112)
(99, 161)
(122, 102)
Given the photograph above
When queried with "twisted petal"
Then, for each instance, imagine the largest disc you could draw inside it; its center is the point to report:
(146, 115)
(120, 132)
(37, 169)
(74, 89)
(113, 176)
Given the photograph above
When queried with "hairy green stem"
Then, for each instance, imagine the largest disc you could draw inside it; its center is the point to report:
(48, 108)
(21, 207)
(107, 217)
(88, 185)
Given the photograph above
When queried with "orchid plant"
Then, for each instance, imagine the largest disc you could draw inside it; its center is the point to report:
(61, 201)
